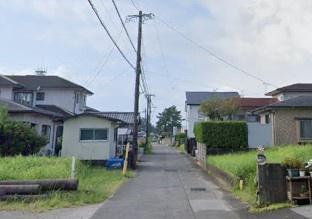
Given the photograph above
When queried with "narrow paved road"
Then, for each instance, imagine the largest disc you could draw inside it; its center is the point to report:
(169, 185)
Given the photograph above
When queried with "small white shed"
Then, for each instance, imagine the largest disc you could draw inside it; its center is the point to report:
(90, 136)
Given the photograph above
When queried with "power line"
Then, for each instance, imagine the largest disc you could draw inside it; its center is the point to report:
(161, 48)
(101, 67)
(144, 81)
(134, 5)
(213, 54)
(110, 36)
(123, 25)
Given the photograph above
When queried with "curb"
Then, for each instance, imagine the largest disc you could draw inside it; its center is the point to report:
(224, 179)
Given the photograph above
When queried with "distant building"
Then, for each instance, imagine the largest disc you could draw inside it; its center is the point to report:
(192, 103)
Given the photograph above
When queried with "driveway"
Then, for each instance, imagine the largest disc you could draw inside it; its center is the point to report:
(169, 185)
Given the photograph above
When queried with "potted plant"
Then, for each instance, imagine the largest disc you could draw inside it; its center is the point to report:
(292, 165)
(303, 191)
(302, 171)
(309, 167)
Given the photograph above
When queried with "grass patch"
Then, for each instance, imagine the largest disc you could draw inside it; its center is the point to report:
(182, 148)
(95, 183)
(243, 166)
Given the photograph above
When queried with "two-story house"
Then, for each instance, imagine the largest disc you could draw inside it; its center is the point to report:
(291, 117)
(43, 102)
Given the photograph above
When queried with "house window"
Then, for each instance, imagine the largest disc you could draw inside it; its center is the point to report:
(253, 118)
(45, 131)
(267, 119)
(25, 98)
(33, 126)
(305, 129)
(40, 96)
(77, 98)
(93, 134)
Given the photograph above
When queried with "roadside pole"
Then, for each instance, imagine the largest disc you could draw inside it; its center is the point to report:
(138, 70)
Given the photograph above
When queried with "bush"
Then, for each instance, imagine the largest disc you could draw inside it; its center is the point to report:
(227, 135)
(180, 138)
(18, 138)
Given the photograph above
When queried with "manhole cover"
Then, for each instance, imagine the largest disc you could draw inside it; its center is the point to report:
(198, 189)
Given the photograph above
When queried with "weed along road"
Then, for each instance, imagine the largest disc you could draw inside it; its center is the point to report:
(169, 185)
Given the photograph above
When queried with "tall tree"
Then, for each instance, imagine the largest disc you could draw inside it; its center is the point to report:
(168, 119)
(218, 109)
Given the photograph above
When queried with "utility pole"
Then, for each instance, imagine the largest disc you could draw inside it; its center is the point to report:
(138, 71)
(148, 115)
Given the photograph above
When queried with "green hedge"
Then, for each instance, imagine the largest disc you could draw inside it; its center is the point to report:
(180, 138)
(229, 134)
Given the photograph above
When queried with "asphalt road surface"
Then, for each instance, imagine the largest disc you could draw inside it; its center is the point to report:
(169, 185)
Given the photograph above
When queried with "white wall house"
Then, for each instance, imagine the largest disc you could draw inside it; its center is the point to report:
(89, 137)
(42, 101)
(93, 136)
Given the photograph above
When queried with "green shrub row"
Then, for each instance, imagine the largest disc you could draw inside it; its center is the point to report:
(18, 138)
(180, 138)
(222, 134)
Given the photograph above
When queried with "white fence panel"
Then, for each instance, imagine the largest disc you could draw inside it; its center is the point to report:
(259, 134)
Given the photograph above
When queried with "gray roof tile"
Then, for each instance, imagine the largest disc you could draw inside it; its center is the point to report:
(196, 98)
(296, 102)
(32, 82)
(299, 87)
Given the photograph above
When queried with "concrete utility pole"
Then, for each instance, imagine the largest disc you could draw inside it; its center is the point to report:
(138, 71)
(148, 115)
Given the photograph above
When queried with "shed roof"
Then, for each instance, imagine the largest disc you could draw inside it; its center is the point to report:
(123, 117)
(197, 97)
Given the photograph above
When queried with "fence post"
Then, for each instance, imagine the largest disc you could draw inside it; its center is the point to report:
(73, 168)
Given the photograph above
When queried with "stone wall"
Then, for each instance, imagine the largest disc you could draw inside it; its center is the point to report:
(285, 125)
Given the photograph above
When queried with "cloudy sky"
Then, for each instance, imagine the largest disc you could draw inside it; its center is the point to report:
(270, 39)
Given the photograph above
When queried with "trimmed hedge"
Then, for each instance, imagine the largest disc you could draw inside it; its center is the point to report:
(180, 138)
(222, 134)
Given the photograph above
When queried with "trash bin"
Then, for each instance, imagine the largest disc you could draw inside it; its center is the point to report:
(114, 163)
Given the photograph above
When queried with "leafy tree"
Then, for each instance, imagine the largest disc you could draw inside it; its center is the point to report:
(218, 109)
(18, 138)
(211, 108)
(168, 119)
(229, 107)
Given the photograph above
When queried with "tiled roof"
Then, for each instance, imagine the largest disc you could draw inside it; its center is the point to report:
(250, 103)
(47, 110)
(296, 102)
(124, 117)
(90, 109)
(55, 109)
(5, 81)
(299, 87)
(33, 82)
(196, 98)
